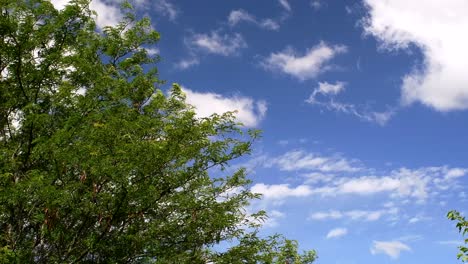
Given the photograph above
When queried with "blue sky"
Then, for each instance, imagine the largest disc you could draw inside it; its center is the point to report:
(362, 106)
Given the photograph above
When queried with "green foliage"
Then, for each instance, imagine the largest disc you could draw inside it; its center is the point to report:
(462, 226)
(274, 249)
(99, 165)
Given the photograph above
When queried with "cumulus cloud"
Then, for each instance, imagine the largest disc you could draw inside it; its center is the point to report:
(337, 232)
(249, 111)
(280, 191)
(328, 91)
(216, 43)
(390, 248)
(301, 160)
(437, 29)
(240, 15)
(304, 66)
(108, 12)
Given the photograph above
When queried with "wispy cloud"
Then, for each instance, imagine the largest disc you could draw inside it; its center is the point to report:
(304, 66)
(187, 63)
(216, 43)
(240, 15)
(451, 242)
(390, 248)
(301, 160)
(326, 88)
(316, 4)
(355, 215)
(285, 4)
(328, 92)
(166, 8)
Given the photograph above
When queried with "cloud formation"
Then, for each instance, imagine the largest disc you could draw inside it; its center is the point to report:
(390, 248)
(316, 4)
(355, 215)
(328, 91)
(285, 4)
(166, 8)
(108, 12)
(437, 29)
(320, 174)
(187, 63)
(304, 66)
(280, 191)
(216, 43)
(337, 232)
(240, 15)
(301, 160)
(249, 111)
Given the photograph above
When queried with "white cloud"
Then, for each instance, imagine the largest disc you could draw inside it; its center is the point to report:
(280, 191)
(337, 175)
(333, 214)
(317, 177)
(390, 248)
(108, 12)
(153, 51)
(273, 218)
(59, 4)
(301, 160)
(337, 232)
(315, 4)
(419, 184)
(437, 29)
(269, 24)
(285, 4)
(216, 43)
(329, 90)
(249, 111)
(380, 118)
(455, 173)
(238, 16)
(326, 88)
(451, 242)
(166, 8)
(400, 183)
(355, 215)
(303, 67)
(187, 63)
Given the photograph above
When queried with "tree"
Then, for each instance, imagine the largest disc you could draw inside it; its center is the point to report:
(462, 226)
(97, 164)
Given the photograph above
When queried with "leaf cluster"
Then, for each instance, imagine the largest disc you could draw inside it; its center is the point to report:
(462, 226)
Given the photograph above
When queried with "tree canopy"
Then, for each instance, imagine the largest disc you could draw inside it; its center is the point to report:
(99, 165)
